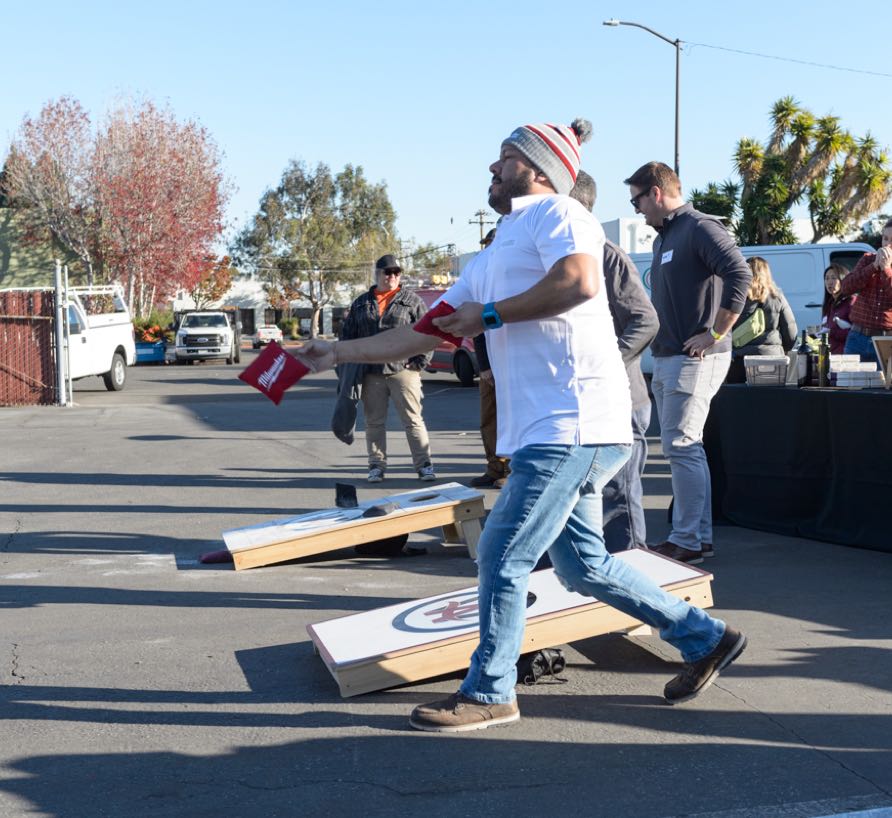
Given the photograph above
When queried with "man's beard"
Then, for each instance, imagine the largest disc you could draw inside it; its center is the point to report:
(518, 186)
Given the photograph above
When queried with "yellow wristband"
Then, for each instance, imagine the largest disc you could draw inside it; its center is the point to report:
(715, 335)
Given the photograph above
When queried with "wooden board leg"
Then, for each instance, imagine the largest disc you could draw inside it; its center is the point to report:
(640, 630)
(451, 533)
(470, 530)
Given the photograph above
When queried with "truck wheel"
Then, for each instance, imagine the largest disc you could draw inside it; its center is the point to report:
(116, 377)
(464, 369)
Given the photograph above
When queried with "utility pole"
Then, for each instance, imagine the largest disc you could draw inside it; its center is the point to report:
(480, 220)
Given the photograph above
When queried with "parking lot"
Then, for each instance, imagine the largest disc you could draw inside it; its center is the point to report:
(138, 681)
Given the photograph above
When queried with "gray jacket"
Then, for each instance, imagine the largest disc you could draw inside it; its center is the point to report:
(634, 317)
(780, 328)
(697, 269)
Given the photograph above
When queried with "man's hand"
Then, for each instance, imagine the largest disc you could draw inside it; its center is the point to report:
(697, 345)
(883, 259)
(317, 355)
(486, 375)
(465, 322)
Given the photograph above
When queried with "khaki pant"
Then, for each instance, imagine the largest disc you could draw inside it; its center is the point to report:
(404, 389)
(496, 467)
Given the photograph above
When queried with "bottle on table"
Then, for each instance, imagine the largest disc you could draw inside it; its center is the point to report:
(824, 361)
(803, 361)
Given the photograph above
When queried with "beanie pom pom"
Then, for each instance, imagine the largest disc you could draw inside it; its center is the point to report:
(583, 129)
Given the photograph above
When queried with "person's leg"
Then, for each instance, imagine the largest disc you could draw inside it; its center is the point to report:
(583, 565)
(528, 516)
(495, 465)
(688, 388)
(374, 410)
(404, 388)
(638, 460)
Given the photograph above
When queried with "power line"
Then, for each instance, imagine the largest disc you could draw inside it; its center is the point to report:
(790, 59)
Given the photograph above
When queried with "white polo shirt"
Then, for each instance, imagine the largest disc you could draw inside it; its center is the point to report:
(558, 380)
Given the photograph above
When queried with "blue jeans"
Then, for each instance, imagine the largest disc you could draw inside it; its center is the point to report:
(858, 344)
(624, 525)
(683, 388)
(553, 501)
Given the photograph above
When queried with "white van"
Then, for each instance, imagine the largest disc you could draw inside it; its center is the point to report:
(798, 269)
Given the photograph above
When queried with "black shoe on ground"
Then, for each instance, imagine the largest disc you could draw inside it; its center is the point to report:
(707, 550)
(676, 552)
(697, 676)
(484, 481)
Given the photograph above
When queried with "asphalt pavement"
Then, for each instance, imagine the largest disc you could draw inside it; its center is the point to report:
(136, 681)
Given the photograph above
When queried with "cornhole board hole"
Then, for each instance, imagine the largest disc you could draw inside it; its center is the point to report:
(425, 638)
(453, 507)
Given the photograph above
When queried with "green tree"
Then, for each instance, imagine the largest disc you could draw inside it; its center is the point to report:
(843, 179)
(872, 230)
(317, 233)
(433, 263)
(717, 200)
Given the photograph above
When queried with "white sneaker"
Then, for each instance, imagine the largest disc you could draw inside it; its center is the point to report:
(426, 474)
(376, 474)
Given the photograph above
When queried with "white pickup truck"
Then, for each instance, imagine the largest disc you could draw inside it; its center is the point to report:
(100, 335)
(203, 335)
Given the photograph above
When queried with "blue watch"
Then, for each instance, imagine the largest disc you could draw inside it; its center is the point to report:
(491, 318)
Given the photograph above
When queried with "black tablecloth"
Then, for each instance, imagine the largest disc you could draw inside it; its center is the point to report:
(813, 463)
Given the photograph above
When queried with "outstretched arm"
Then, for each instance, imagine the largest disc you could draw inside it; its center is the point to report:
(398, 344)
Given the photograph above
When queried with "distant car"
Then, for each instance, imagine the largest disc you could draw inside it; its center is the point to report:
(265, 334)
(448, 357)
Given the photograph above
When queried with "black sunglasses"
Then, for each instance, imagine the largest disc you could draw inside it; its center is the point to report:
(635, 199)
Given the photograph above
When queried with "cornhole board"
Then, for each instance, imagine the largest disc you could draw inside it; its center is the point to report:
(453, 507)
(883, 346)
(421, 639)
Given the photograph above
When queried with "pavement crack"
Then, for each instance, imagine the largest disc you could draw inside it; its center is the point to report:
(7, 541)
(806, 743)
(14, 665)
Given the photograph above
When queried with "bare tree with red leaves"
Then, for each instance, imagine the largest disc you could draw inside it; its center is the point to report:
(215, 279)
(50, 180)
(161, 196)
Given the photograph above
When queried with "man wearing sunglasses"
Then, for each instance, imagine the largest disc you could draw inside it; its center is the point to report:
(699, 283)
(384, 307)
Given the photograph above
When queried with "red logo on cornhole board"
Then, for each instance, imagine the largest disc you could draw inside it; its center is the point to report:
(273, 372)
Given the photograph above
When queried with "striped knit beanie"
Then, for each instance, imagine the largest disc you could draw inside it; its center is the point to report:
(553, 149)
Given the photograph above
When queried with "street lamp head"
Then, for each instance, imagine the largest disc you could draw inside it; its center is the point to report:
(610, 23)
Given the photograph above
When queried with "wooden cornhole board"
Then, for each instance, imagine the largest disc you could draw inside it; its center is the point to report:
(453, 507)
(421, 639)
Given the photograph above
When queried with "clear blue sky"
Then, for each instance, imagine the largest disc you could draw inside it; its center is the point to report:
(421, 95)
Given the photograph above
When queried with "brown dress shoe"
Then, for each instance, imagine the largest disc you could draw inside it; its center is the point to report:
(458, 713)
(696, 677)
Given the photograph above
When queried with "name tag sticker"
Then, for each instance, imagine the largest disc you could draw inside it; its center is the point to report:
(666, 257)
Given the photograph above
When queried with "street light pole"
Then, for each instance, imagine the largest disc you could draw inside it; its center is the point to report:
(677, 44)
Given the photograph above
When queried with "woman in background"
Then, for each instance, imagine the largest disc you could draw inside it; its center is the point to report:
(779, 334)
(835, 312)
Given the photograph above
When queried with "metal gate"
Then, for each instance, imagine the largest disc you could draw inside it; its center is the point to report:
(28, 372)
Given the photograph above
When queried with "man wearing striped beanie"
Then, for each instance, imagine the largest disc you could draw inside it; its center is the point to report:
(553, 150)
(564, 410)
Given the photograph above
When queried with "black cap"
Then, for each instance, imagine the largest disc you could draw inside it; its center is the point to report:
(388, 262)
